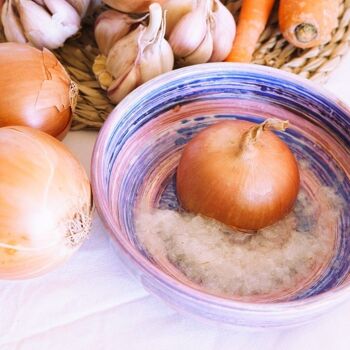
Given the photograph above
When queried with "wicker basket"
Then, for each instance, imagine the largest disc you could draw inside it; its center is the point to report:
(93, 106)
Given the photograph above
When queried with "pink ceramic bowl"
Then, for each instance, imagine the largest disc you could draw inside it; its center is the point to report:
(137, 152)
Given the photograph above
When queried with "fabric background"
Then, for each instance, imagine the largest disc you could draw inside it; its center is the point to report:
(93, 303)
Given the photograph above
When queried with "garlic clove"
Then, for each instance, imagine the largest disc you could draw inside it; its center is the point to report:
(124, 53)
(12, 26)
(190, 31)
(110, 26)
(223, 27)
(202, 53)
(156, 55)
(63, 13)
(45, 30)
(150, 63)
(167, 56)
(123, 86)
(155, 60)
(113, 70)
(175, 10)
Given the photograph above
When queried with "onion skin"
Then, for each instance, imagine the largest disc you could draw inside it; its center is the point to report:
(134, 6)
(37, 91)
(45, 203)
(246, 188)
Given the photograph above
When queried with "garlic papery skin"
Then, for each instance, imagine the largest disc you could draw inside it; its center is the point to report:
(136, 58)
(47, 25)
(111, 26)
(223, 29)
(175, 10)
(204, 34)
(132, 6)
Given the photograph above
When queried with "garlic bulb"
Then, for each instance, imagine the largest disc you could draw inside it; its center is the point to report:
(132, 6)
(175, 9)
(136, 58)
(110, 26)
(204, 34)
(43, 23)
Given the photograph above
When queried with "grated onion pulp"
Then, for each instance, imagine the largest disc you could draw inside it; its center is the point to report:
(228, 262)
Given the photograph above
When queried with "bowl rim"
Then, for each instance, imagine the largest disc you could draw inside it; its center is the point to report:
(333, 296)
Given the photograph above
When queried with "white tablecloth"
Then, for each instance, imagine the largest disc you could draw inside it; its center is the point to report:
(92, 303)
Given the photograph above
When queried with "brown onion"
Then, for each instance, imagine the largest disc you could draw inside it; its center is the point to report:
(36, 90)
(239, 173)
(134, 6)
(45, 203)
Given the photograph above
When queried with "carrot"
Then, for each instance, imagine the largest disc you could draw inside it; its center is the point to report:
(308, 23)
(252, 21)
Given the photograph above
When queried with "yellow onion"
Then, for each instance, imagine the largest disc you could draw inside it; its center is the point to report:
(134, 6)
(239, 173)
(36, 90)
(45, 203)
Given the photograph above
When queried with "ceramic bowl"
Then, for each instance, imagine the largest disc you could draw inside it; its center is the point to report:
(138, 149)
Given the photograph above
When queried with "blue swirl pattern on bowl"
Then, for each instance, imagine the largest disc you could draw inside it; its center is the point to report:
(138, 149)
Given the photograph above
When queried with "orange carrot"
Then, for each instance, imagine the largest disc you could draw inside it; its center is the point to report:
(252, 21)
(308, 23)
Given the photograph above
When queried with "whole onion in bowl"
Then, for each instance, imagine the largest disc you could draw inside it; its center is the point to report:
(239, 173)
